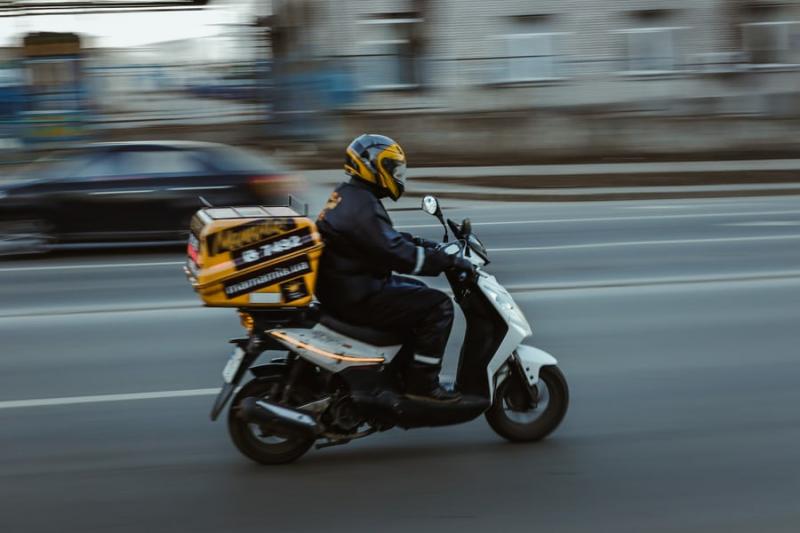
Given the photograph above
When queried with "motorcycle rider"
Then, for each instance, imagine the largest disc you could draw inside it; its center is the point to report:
(362, 250)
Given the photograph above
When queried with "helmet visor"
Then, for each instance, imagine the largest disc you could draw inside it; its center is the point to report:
(396, 169)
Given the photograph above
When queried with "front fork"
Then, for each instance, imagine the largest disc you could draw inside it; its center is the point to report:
(520, 388)
(520, 374)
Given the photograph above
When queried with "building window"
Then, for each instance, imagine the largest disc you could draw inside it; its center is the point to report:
(392, 53)
(531, 56)
(531, 50)
(650, 50)
(772, 43)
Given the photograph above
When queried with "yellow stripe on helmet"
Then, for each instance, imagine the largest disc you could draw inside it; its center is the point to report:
(360, 170)
(387, 181)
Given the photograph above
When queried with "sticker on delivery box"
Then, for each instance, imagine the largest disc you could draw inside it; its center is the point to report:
(247, 234)
(270, 276)
(294, 290)
(273, 247)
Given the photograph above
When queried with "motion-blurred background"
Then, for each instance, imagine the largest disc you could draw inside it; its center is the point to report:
(458, 80)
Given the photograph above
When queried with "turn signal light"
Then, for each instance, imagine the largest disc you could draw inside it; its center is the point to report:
(247, 321)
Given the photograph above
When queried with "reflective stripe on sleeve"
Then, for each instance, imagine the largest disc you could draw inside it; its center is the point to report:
(420, 260)
(424, 359)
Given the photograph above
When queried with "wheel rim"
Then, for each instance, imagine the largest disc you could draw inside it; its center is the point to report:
(527, 416)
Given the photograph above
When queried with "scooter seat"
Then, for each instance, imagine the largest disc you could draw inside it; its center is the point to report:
(375, 337)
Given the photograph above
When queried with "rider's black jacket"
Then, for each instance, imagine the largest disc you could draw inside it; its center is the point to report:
(362, 248)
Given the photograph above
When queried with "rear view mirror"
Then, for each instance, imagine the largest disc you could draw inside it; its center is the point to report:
(431, 206)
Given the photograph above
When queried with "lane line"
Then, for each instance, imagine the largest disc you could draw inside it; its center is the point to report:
(645, 243)
(764, 224)
(88, 266)
(102, 398)
(653, 282)
(493, 250)
(187, 393)
(615, 218)
(490, 223)
(191, 305)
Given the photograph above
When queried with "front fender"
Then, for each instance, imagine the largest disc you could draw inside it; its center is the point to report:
(532, 360)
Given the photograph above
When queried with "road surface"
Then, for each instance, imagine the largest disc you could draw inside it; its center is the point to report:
(676, 323)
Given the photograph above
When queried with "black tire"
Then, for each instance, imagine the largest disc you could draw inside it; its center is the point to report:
(547, 420)
(243, 434)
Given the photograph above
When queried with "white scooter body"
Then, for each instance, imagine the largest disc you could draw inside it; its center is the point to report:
(335, 352)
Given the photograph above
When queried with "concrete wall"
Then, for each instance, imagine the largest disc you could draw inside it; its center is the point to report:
(541, 136)
(595, 108)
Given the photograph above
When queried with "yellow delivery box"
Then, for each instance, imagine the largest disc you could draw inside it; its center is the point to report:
(253, 257)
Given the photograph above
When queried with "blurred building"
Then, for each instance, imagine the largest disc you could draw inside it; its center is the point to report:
(455, 80)
(556, 78)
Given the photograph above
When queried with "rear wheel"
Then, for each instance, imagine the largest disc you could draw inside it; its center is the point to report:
(517, 417)
(257, 441)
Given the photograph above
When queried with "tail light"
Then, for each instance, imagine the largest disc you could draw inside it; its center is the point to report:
(273, 185)
(193, 249)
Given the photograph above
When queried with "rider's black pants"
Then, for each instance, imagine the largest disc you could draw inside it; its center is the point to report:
(406, 304)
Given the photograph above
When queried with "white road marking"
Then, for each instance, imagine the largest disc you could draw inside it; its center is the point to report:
(489, 223)
(614, 218)
(201, 188)
(680, 206)
(645, 243)
(110, 193)
(765, 224)
(98, 265)
(101, 398)
(775, 275)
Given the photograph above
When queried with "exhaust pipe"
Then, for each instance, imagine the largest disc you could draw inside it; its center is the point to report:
(278, 417)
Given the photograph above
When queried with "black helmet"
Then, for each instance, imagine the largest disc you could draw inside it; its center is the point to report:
(379, 161)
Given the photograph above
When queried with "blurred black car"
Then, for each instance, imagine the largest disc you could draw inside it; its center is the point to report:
(134, 191)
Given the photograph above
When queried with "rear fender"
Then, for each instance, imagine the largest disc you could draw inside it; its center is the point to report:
(269, 370)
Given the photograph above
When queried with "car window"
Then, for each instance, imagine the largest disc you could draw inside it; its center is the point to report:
(58, 165)
(99, 166)
(137, 162)
(240, 160)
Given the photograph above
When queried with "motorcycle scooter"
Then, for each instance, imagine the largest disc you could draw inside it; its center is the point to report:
(332, 382)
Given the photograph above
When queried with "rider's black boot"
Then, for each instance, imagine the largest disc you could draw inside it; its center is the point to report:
(422, 382)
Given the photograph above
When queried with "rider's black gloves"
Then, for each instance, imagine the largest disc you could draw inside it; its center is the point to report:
(425, 243)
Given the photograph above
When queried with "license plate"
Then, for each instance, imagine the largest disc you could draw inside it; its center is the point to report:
(232, 365)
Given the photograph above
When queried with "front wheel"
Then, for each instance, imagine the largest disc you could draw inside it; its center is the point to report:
(256, 441)
(517, 417)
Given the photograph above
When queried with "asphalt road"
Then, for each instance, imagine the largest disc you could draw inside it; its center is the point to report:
(676, 323)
